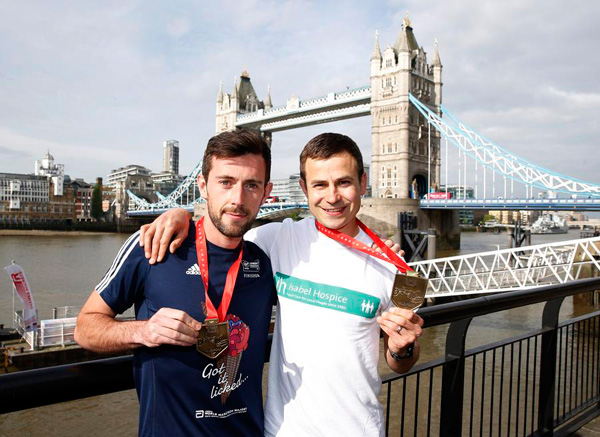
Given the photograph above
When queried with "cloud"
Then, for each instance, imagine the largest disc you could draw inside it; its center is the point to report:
(104, 84)
(178, 27)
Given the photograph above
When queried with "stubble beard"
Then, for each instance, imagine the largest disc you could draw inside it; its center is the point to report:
(231, 231)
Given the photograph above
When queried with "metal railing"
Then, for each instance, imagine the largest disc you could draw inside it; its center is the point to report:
(544, 382)
(537, 383)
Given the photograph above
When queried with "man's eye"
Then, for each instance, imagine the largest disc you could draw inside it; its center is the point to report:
(252, 186)
(226, 183)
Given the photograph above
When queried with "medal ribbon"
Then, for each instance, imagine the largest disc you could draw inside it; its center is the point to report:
(353, 243)
(202, 252)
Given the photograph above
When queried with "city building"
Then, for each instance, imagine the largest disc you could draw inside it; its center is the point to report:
(165, 183)
(46, 167)
(295, 190)
(139, 184)
(281, 189)
(83, 199)
(507, 217)
(171, 157)
(288, 190)
(29, 200)
(122, 173)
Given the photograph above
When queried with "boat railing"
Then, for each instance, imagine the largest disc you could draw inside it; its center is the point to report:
(31, 337)
(58, 331)
(65, 312)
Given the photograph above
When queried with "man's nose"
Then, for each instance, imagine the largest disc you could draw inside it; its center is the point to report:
(237, 194)
(332, 195)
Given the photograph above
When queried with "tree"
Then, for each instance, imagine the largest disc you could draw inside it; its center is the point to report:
(97, 201)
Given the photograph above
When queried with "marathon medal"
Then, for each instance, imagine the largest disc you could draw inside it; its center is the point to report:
(213, 337)
(409, 291)
(409, 288)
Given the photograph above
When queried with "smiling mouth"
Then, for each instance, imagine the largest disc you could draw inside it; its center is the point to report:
(334, 211)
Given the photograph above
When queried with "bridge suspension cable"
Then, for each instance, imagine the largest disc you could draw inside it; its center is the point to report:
(500, 160)
(176, 198)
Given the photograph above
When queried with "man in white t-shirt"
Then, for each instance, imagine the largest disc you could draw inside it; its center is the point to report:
(333, 302)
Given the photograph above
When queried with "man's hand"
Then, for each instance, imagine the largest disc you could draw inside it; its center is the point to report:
(389, 243)
(156, 236)
(170, 326)
(98, 330)
(402, 328)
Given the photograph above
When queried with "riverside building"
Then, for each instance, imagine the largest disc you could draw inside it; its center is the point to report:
(27, 200)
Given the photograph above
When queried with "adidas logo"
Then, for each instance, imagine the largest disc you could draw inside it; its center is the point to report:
(194, 270)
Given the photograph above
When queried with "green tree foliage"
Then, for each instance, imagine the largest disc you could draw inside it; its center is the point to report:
(97, 202)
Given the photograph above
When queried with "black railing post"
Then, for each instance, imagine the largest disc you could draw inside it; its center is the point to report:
(453, 377)
(547, 381)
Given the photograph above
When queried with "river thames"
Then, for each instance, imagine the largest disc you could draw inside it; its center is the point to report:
(63, 269)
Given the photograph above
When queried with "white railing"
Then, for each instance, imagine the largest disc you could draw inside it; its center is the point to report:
(31, 337)
(58, 331)
(510, 269)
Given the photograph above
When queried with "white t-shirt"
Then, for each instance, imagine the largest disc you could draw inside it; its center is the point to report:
(323, 378)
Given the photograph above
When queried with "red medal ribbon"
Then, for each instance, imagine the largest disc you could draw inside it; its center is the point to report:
(353, 243)
(202, 252)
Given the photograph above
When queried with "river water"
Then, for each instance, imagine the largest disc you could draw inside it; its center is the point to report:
(63, 269)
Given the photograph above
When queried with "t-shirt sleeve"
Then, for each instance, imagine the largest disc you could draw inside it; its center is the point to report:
(264, 236)
(124, 281)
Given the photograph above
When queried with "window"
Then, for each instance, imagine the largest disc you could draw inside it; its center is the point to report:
(388, 63)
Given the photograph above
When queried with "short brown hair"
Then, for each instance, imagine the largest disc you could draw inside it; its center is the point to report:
(234, 144)
(325, 146)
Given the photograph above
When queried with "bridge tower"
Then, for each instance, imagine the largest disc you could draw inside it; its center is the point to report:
(243, 99)
(401, 140)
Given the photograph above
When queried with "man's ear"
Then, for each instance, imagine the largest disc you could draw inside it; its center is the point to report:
(303, 186)
(202, 186)
(268, 189)
(363, 184)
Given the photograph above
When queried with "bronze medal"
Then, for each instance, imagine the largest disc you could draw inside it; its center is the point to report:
(213, 338)
(409, 291)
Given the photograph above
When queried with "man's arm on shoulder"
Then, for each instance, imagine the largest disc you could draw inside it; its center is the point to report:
(98, 330)
(156, 237)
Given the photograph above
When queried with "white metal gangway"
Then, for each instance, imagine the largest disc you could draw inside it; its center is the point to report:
(518, 268)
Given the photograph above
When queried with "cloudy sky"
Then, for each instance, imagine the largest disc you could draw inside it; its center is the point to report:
(103, 84)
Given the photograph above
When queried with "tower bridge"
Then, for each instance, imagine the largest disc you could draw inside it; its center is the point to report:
(417, 147)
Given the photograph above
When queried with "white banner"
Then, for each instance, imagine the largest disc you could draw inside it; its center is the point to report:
(17, 275)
